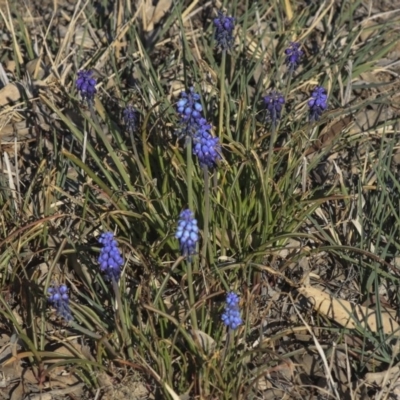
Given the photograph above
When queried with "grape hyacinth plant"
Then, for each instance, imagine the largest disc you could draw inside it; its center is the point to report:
(318, 103)
(194, 126)
(206, 147)
(190, 111)
(59, 298)
(231, 316)
(111, 261)
(293, 56)
(187, 233)
(86, 85)
(224, 31)
(130, 117)
(274, 102)
(110, 258)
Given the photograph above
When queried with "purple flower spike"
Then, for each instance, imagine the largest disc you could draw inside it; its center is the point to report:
(274, 102)
(110, 258)
(187, 233)
(190, 112)
(318, 103)
(224, 31)
(59, 298)
(231, 316)
(194, 126)
(86, 85)
(293, 55)
(130, 117)
(206, 147)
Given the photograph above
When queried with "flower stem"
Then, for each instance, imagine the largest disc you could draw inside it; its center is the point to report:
(206, 215)
(229, 341)
(127, 338)
(289, 80)
(221, 123)
(269, 162)
(271, 147)
(189, 271)
(189, 166)
(136, 158)
(145, 148)
(222, 96)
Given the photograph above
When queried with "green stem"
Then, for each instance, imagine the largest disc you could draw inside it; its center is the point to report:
(136, 158)
(84, 145)
(94, 116)
(220, 128)
(206, 215)
(271, 148)
(146, 150)
(127, 338)
(189, 166)
(229, 341)
(269, 162)
(189, 269)
(288, 83)
(192, 301)
(222, 97)
(85, 138)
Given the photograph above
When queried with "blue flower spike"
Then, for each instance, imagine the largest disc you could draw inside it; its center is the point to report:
(206, 147)
(130, 117)
(318, 103)
(59, 299)
(194, 126)
(224, 26)
(187, 233)
(293, 55)
(231, 316)
(190, 111)
(86, 85)
(274, 102)
(110, 259)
